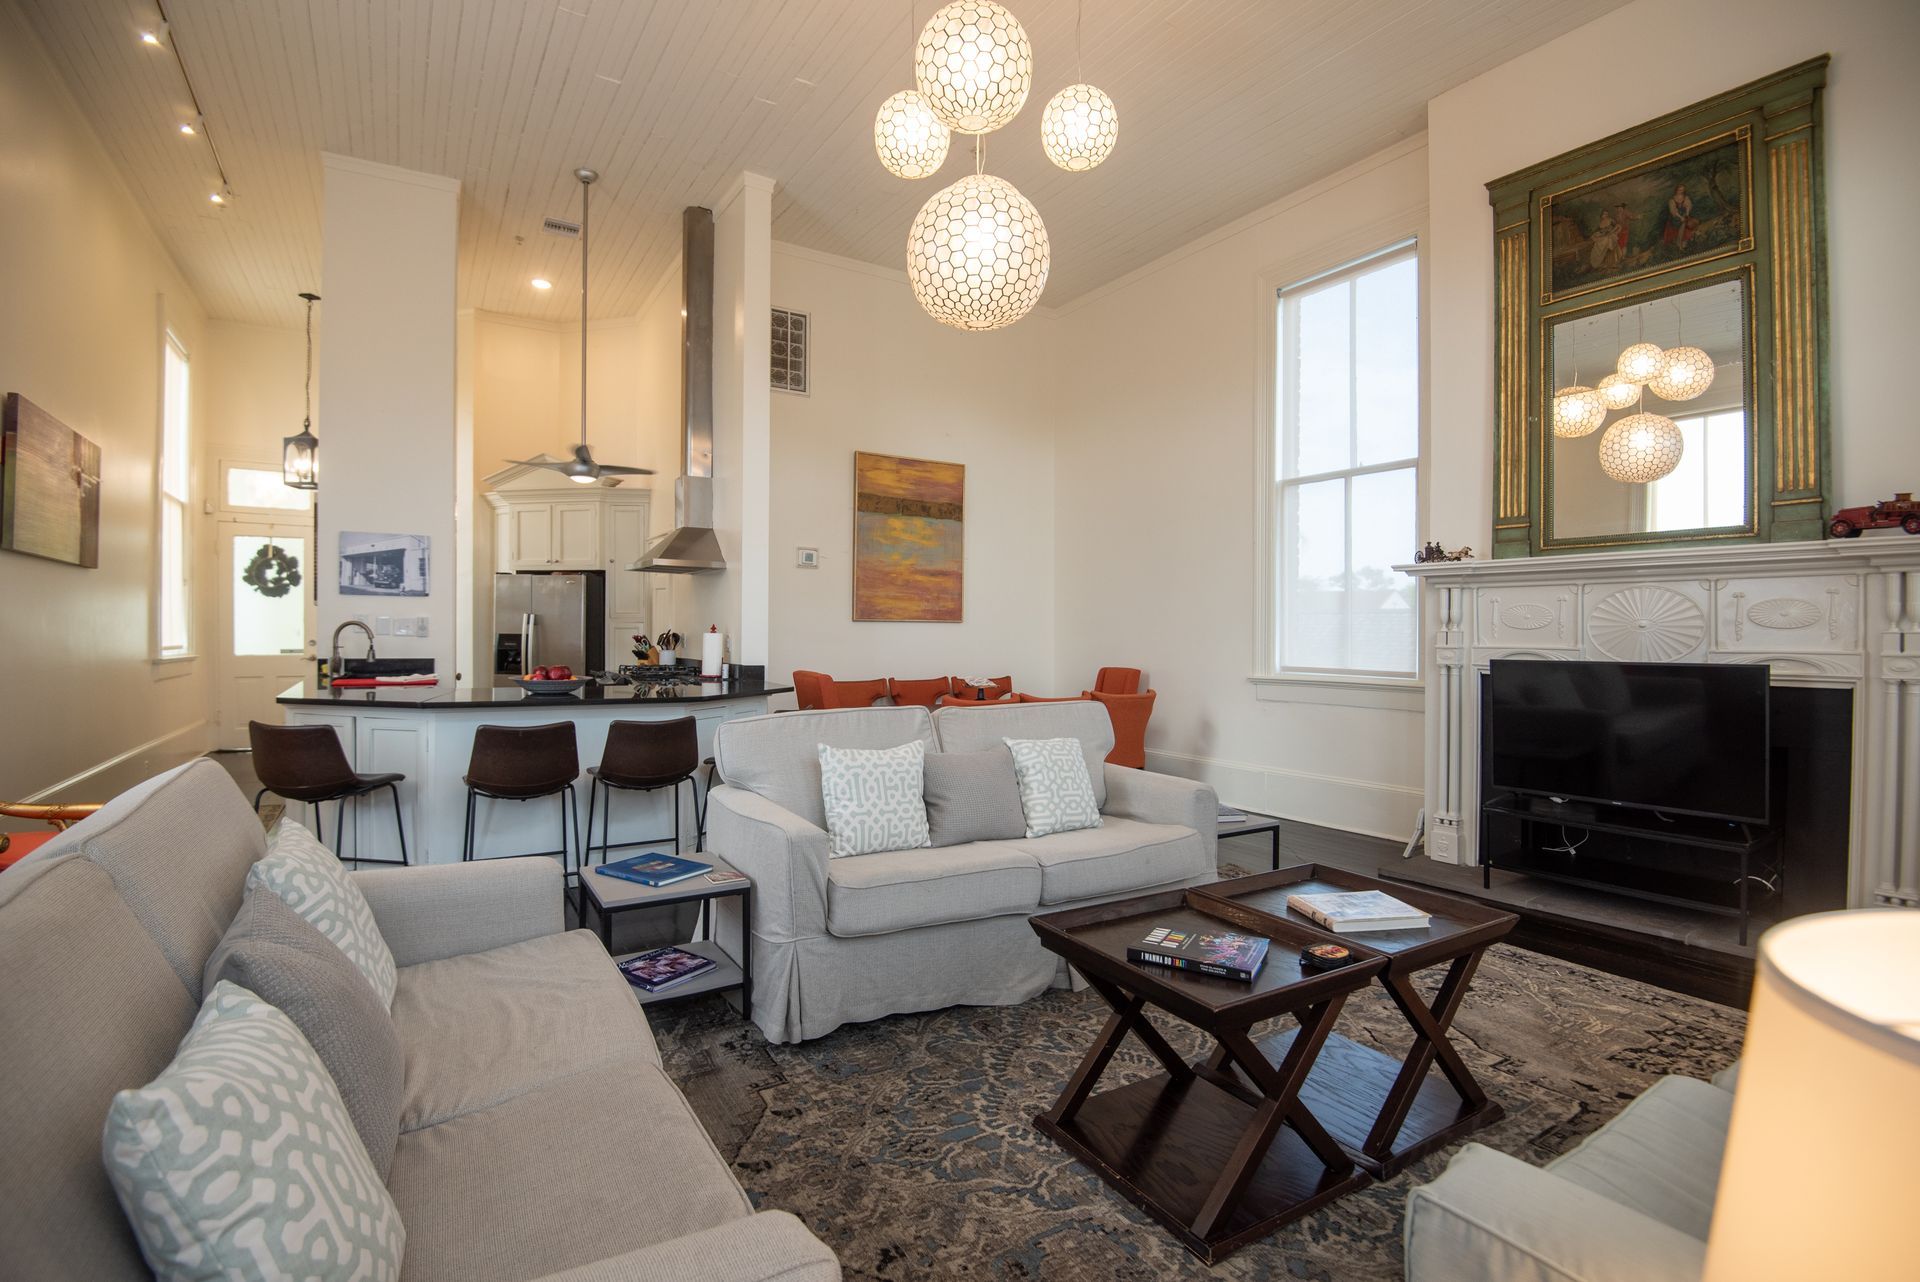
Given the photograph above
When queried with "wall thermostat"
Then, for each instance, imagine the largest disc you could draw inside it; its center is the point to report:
(807, 558)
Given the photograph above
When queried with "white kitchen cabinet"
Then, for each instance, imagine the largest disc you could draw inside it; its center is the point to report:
(626, 541)
(530, 534)
(576, 536)
(553, 536)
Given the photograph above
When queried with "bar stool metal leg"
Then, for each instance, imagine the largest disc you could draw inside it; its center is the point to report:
(399, 822)
(466, 842)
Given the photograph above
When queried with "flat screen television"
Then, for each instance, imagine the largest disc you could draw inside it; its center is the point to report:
(1677, 738)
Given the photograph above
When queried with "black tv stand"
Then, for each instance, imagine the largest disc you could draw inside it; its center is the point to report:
(1686, 860)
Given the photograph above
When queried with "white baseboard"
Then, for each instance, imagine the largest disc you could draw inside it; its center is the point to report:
(110, 778)
(1352, 805)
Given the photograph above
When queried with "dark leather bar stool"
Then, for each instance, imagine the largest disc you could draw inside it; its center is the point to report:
(525, 763)
(644, 756)
(306, 763)
(705, 801)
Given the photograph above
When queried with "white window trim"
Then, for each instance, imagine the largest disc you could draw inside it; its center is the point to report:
(1342, 689)
(180, 664)
(281, 515)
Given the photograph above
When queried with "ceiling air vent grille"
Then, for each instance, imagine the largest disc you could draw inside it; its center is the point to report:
(560, 227)
(792, 336)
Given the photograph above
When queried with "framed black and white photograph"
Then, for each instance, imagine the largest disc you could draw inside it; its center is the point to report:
(383, 564)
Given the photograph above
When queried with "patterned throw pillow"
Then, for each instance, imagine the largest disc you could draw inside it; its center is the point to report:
(310, 880)
(1056, 792)
(874, 798)
(238, 1161)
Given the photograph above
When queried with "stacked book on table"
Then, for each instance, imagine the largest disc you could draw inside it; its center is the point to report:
(653, 870)
(662, 968)
(1352, 911)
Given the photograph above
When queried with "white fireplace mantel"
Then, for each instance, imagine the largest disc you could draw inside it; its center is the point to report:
(1842, 614)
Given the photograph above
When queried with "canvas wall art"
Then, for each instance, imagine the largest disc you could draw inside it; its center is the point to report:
(908, 553)
(49, 486)
(1672, 210)
(383, 564)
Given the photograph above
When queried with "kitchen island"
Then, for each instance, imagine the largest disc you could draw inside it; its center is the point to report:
(426, 733)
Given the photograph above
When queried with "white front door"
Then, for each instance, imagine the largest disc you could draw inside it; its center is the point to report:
(266, 620)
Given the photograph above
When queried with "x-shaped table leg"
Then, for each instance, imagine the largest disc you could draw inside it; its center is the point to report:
(1128, 1016)
(1430, 1043)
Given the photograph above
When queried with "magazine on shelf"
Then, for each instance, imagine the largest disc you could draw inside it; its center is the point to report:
(1228, 815)
(1221, 953)
(1350, 911)
(662, 968)
(653, 870)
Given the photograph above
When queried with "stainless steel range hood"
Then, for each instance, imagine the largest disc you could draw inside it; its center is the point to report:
(691, 547)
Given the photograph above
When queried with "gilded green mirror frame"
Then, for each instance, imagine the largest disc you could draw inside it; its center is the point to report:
(1703, 228)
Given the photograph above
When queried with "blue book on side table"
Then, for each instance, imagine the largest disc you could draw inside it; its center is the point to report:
(653, 870)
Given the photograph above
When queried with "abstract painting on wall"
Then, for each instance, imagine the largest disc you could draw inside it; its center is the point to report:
(908, 553)
(49, 487)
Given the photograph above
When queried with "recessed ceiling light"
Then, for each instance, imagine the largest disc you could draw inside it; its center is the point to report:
(152, 37)
(541, 282)
(186, 129)
(217, 198)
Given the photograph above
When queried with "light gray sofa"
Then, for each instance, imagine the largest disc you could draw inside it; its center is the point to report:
(539, 1135)
(1631, 1204)
(837, 941)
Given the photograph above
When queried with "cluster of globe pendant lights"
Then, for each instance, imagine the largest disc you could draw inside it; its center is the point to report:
(977, 254)
(1642, 447)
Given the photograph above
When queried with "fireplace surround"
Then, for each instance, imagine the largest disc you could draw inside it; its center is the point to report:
(1839, 616)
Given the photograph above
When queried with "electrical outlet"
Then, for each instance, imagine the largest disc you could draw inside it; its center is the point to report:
(420, 625)
(383, 625)
(807, 558)
(403, 626)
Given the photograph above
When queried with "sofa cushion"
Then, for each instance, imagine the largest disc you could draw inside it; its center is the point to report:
(1118, 857)
(1056, 786)
(239, 1159)
(89, 1006)
(141, 837)
(778, 755)
(1661, 1155)
(484, 1027)
(309, 879)
(972, 728)
(973, 796)
(271, 951)
(874, 798)
(877, 894)
(580, 1169)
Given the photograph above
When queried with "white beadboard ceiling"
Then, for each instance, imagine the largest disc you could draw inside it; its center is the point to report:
(1225, 105)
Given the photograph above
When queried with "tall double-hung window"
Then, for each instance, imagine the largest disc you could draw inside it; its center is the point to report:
(172, 612)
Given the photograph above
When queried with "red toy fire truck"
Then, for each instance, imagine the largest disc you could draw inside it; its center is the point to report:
(1899, 510)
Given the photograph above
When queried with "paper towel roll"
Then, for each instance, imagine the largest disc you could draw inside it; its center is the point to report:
(712, 646)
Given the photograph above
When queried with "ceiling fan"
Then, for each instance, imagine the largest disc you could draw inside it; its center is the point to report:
(581, 467)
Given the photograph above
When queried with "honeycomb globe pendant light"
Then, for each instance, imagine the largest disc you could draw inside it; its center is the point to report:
(974, 65)
(977, 254)
(1639, 362)
(1617, 392)
(910, 139)
(1577, 411)
(1685, 373)
(1641, 448)
(1079, 128)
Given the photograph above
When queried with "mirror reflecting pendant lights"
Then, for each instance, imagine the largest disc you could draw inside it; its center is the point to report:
(1617, 393)
(1641, 448)
(977, 252)
(300, 453)
(1685, 372)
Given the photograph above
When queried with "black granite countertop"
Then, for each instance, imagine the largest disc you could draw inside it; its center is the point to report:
(447, 697)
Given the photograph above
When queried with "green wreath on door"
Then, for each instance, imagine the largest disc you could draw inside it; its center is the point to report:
(271, 573)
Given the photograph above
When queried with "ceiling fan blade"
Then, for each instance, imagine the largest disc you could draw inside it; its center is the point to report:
(534, 462)
(614, 469)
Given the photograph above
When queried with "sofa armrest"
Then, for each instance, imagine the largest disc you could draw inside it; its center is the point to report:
(771, 1246)
(433, 911)
(784, 854)
(1165, 799)
(1493, 1216)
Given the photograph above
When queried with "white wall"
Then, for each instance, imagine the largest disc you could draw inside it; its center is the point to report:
(1155, 509)
(86, 284)
(889, 380)
(386, 410)
(1574, 91)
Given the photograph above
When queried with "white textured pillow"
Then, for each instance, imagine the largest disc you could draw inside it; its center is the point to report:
(309, 880)
(1056, 792)
(875, 798)
(239, 1160)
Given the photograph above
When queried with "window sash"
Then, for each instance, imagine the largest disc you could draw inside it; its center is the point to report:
(174, 483)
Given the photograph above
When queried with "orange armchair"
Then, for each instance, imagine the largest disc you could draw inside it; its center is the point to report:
(809, 688)
(1129, 713)
(1117, 681)
(852, 694)
(923, 694)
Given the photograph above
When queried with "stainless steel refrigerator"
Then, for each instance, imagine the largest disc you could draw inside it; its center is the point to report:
(540, 620)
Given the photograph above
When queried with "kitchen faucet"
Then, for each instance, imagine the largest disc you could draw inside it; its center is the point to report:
(333, 663)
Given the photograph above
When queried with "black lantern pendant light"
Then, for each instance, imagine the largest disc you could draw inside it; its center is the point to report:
(300, 455)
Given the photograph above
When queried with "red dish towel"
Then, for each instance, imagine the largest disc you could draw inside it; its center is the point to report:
(359, 683)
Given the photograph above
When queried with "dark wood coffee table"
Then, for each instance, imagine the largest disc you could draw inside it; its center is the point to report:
(1386, 1112)
(1218, 1161)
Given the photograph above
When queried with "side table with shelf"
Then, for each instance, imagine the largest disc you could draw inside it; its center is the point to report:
(612, 896)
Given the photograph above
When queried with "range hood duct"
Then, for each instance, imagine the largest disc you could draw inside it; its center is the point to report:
(691, 546)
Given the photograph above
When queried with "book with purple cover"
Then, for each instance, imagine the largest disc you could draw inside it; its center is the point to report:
(662, 968)
(1222, 953)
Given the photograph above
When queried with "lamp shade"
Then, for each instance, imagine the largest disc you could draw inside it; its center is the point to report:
(975, 65)
(1079, 128)
(1685, 372)
(300, 459)
(1617, 392)
(1639, 362)
(1577, 411)
(1817, 1180)
(910, 139)
(1641, 448)
(977, 254)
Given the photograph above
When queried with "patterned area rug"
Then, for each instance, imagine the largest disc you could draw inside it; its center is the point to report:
(907, 1144)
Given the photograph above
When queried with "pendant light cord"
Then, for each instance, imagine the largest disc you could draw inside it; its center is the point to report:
(306, 423)
(1079, 70)
(585, 184)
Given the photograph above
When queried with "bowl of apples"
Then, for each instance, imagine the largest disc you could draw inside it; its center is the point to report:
(550, 681)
